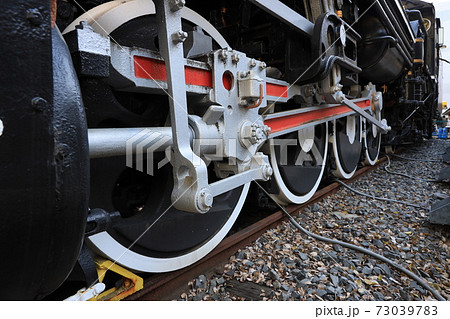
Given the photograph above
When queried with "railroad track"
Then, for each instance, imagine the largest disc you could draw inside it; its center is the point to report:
(167, 286)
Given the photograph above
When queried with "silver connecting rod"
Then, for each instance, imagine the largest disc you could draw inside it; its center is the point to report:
(108, 142)
(381, 124)
(287, 15)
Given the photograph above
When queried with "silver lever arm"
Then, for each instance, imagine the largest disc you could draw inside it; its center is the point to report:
(381, 124)
(191, 191)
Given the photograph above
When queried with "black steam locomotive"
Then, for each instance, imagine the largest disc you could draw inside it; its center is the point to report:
(134, 128)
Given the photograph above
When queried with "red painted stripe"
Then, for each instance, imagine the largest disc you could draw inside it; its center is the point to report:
(291, 121)
(147, 68)
(196, 76)
(153, 69)
(276, 90)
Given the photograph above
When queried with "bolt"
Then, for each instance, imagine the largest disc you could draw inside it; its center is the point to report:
(179, 36)
(337, 87)
(243, 103)
(34, 16)
(39, 104)
(252, 63)
(339, 96)
(176, 5)
(262, 66)
(235, 58)
(310, 91)
(223, 55)
(126, 282)
(243, 75)
(205, 200)
(83, 25)
(253, 133)
(1, 127)
(267, 172)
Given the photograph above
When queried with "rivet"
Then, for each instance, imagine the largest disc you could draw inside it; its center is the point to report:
(39, 104)
(34, 16)
(176, 5)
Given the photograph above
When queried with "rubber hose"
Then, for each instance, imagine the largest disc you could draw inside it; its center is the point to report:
(410, 274)
(377, 198)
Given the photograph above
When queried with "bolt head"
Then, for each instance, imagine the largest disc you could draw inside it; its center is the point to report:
(205, 200)
(223, 55)
(252, 63)
(176, 5)
(179, 37)
(263, 66)
(243, 103)
(267, 172)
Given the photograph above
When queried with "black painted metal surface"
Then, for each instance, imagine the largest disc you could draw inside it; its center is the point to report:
(43, 155)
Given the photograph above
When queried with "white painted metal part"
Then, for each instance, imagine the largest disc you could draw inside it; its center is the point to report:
(89, 293)
(109, 16)
(306, 138)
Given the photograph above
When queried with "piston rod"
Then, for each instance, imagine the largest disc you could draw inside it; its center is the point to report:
(109, 142)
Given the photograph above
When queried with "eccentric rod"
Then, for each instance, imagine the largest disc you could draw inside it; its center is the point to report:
(381, 124)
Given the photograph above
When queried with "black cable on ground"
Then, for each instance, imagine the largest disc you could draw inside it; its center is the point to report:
(406, 175)
(412, 275)
(378, 198)
(415, 159)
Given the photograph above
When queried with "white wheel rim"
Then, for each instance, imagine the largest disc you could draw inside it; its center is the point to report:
(339, 171)
(106, 245)
(107, 17)
(286, 196)
(375, 132)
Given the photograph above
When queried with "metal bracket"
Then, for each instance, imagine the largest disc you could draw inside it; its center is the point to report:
(130, 282)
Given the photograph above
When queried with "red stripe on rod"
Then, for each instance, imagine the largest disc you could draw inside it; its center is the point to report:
(276, 90)
(153, 69)
(291, 121)
(196, 76)
(147, 68)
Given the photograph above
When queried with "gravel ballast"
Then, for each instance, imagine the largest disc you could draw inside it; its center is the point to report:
(284, 264)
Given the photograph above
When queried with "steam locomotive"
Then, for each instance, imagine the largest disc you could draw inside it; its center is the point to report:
(134, 128)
